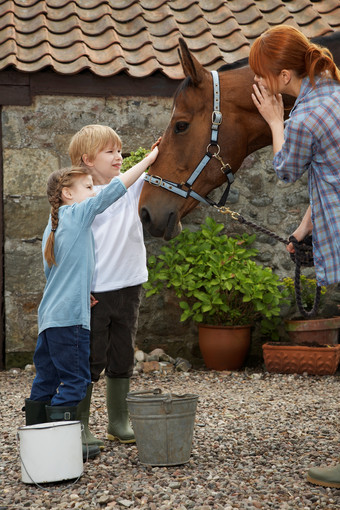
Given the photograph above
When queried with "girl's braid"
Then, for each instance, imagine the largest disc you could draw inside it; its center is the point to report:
(62, 178)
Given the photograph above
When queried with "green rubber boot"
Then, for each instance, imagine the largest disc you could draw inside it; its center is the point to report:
(70, 413)
(35, 411)
(83, 414)
(325, 476)
(119, 426)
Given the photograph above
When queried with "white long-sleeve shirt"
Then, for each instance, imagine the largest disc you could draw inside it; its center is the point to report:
(120, 252)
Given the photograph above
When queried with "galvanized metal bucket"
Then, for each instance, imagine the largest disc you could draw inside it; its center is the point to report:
(163, 424)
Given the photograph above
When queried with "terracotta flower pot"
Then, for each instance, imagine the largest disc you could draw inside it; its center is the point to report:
(224, 347)
(314, 331)
(298, 359)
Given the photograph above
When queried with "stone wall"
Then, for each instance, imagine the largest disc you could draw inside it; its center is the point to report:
(35, 141)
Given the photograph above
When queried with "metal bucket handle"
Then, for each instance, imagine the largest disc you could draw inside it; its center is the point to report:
(157, 391)
(166, 398)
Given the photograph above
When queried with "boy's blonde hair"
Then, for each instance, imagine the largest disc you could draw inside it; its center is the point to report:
(90, 140)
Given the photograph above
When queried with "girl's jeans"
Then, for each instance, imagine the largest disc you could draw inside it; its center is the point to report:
(62, 361)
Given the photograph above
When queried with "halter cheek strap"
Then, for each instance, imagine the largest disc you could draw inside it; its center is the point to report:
(185, 189)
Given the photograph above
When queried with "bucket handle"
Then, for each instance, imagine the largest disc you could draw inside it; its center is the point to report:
(157, 391)
(166, 402)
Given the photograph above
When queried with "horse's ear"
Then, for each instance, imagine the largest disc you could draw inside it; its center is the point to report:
(190, 64)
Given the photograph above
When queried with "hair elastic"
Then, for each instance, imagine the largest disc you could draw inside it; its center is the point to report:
(53, 229)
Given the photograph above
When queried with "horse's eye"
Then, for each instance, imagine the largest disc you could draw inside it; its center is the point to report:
(181, 127)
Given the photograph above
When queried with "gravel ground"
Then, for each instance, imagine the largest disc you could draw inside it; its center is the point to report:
(255, 436)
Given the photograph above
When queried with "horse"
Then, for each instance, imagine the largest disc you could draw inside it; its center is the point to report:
(213, 127)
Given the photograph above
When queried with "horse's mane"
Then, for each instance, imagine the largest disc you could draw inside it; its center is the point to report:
(234, 65)
(182, 86)
(225, 67)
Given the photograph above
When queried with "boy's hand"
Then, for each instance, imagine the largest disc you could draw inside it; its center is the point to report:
(156, 143)
(151, 157)
(93, 301)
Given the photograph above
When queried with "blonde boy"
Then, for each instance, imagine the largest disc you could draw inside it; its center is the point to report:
(119, 273)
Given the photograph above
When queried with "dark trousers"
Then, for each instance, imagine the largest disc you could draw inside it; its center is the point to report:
(114, 321)
(61, 359)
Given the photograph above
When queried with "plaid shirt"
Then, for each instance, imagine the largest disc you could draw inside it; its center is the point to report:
(312, 143)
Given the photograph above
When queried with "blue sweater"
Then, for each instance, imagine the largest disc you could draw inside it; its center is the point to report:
(66, 298)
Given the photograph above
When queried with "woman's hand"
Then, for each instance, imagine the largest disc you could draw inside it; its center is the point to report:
(304, 229)
(271, 108)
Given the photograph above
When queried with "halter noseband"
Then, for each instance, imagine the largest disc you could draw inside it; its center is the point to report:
(216, 121)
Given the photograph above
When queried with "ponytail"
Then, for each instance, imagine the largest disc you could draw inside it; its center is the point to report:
(319, 60)
(58, 180)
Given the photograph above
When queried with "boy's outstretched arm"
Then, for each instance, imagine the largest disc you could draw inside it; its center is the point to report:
(131, 175)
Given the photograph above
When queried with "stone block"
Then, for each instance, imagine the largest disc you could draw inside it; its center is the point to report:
(151, 366)
(26, 171)
(24, 267)
(25, 217)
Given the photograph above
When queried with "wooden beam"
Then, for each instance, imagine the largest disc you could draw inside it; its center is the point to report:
(17, 88)
(87, 84)
(15, 95)
(2, 314)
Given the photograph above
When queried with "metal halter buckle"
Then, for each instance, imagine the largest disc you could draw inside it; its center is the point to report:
(160, 180)
(216, 118)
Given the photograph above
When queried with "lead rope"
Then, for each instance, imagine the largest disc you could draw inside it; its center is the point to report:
(308, 254)
(303, 256)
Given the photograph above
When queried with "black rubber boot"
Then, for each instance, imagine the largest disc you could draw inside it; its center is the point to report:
(66, 413)
(35, 411)
(119, 426)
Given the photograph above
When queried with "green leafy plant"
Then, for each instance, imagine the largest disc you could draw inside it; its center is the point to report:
(215, 279)
(308, 288)
(134, 158)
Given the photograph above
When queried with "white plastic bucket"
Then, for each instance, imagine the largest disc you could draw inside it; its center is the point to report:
(51, 452)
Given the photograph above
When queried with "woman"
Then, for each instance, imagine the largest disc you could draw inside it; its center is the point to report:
(286, 62)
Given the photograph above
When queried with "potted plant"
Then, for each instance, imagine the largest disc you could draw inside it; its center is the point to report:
(313, 346)
(220, 287)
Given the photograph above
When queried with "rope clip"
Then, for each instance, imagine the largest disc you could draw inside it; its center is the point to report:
(225, 210)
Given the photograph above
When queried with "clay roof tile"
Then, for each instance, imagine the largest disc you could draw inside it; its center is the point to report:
(140, 37)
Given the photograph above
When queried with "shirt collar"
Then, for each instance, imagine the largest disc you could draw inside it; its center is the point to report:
(307, 88)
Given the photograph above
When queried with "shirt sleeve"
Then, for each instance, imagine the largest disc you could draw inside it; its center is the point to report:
(296, 154)
(87, 210)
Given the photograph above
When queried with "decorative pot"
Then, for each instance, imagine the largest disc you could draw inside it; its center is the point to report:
(285, 358)
(314, 331)
(224, 347)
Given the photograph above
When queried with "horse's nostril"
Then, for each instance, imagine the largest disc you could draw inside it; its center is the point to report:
(145, 216)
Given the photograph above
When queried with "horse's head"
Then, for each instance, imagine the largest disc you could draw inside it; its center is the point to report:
(188, 136)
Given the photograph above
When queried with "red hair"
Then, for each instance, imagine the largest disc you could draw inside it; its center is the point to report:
(285, 47)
